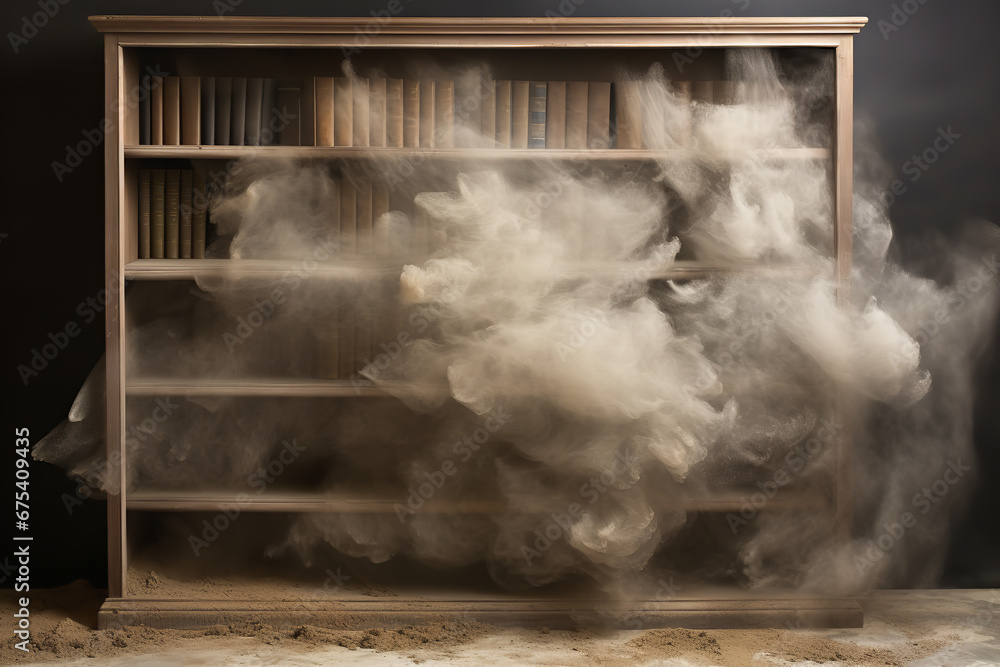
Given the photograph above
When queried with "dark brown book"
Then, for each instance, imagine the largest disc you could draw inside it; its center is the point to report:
(186, 213)
(145, 194)
(199, 217)
(444, 114)
(145, 110)
(156, 111)
(376, 108)
(503, 92)
(238, 106)
(289, 110)
(555, 115)
(324, 111)
(190, 110)
(157, 213)
(519, 114)
(628, 115)
(411, 113)
(394, 113)
(254, 109)
(343, 112)
(362, 108)
(208, 110)
(576, 113)
(172, 218)
(223, 109)
(599, 115)
(171, 111)
(427, 113)
(489, 127)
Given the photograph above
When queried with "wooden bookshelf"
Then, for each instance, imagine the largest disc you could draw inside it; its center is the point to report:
(302, 49)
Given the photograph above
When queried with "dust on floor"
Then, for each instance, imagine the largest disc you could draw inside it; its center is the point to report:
(902, 628)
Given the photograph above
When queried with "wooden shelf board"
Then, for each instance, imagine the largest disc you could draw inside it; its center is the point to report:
(477, 154)
(189, 269)
(292, 387)
(738, 611)
(272, 501)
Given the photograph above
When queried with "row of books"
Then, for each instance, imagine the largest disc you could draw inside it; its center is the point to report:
(219, 111)
(404, 113)
(411, 113)
(172, 214)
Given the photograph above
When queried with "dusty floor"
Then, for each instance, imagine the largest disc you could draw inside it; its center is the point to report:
(901, 628)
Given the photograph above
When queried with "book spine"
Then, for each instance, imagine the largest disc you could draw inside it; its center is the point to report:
(376, 107)
(380, 227)
(363, 323)
(519, 114)
(172, 221)
(255, 101)
(343, 112)
(145, 112)
(156, 111)
(411, 113)
(628, 115)
(199, 217)
(488, 89)
(503, 92)
(157, 207)
(268, 120)
(576, 114)
(208, 110)
(171, 111)
(237, 122)
(394, 132)
(190, 110)
(537, 95)
(444, 114)
(427, 113)
(223, 109)
(145, 194)
(348, 246)
(599, 115)
(289, 111)
(468, 111)
(555, 115)
(324, 111)
(361, 92)
(186, 213)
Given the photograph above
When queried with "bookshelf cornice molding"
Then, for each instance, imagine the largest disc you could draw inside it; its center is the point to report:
(348, 26)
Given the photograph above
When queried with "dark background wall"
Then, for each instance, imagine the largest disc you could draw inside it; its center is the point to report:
(939, 69)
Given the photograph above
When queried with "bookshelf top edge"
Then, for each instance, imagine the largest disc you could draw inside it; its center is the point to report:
(467, 25)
